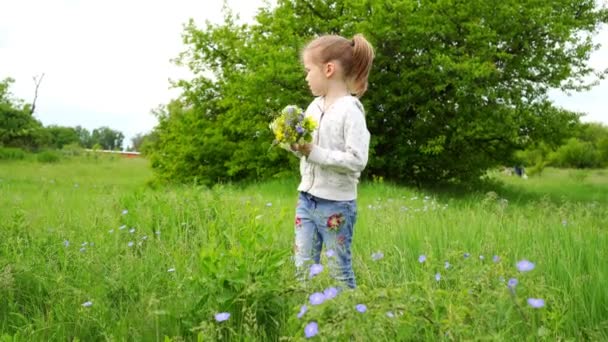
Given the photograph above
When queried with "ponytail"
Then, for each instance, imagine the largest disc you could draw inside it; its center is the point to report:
(363, 56)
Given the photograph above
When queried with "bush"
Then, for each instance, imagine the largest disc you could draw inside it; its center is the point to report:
(48, 157)
(577, 154)
(72, 150)
(11, 153)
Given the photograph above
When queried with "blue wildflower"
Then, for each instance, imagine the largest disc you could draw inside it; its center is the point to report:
(512, 283)
(316, 298)
(303, 310)
(496, 258)
(466, 255)
(525, 266)
(422, 258)
(536, 302)
(330, 253)
(437, 276)
(377, 256)
(447, 265)
(315, 269)
(361, 308)
(311, 329)
(222, 316)
(330, 292)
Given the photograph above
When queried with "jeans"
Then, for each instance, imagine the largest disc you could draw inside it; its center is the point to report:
(324, 222)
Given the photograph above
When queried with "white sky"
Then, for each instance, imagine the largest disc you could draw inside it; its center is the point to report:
(107, 63)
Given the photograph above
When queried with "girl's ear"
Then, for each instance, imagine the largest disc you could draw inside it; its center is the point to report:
(329, 69)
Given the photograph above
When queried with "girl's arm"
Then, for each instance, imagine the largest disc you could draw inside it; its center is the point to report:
(356, 143)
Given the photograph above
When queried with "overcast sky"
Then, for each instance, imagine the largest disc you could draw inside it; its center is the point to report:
(107, 63)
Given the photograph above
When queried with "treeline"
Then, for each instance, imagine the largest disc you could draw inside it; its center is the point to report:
(457, 88)
(20, 129)
(587, 147)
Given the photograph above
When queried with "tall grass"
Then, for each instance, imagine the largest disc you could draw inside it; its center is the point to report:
(88, 251)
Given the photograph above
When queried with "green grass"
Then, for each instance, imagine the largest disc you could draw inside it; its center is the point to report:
(199, 251)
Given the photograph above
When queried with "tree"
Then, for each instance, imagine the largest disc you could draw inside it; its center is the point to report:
(18, 128)
(457, 86)
(61, 136)
(84, 137)
(107, 138)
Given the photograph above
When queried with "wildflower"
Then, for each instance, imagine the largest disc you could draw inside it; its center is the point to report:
(330, 292)
(87, 304)
(222, 316)
(171, 270)
(536, 303)
(466, 255)
(132, 230)
(512, 283)
(422, 258)
(66, 243)
(390, 314)
(157, 232)
(316, 298)
(330, 253)
(311, 329)
(125, 212)
(144, 238)
(481, 257)
(315, 269)
(496, 258)
(130, 244)
(447, 265)
(377, 256)
(303, 310)
(82, 250)
(361, 308)
(437, 276)
(123, 227)
(84, 244)
(269, 204)
(525, 266)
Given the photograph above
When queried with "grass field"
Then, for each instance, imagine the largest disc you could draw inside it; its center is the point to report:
(90, 251)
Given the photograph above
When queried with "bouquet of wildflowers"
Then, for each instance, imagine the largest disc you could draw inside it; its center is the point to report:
(292, 127)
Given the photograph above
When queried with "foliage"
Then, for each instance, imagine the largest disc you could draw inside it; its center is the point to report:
(48, 157)
(11, 153)
(456, 86)
(61, 136)
(18, 127)
(577, 154)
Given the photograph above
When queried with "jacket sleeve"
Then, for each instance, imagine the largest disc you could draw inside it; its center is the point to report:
(356, 146)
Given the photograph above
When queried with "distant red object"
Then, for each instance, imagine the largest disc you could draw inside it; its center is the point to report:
(125, 154)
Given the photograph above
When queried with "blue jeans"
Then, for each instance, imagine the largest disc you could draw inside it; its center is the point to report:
(323, 222)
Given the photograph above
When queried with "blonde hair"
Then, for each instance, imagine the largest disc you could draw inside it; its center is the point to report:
(355, 57)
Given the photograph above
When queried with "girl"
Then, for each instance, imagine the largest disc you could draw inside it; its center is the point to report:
(330, 166)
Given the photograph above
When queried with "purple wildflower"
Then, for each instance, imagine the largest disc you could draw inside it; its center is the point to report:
(315, 269)
(316, 298)
(525, 266)
(512, 283)
(437, 276)
(377, 256)
(422, 258)
(330, 253)
(330, 293)
(299, 129)
(361, 308)
(311, 329)
(303, 310)
(222, 316)
(447, 265)
(536, 303)
(496, 258)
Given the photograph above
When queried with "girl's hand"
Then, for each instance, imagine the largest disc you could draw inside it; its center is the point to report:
(305, 149)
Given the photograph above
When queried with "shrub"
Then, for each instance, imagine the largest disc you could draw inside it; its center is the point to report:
(11, 153)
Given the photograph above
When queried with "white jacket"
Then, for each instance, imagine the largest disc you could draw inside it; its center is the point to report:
(340, 150)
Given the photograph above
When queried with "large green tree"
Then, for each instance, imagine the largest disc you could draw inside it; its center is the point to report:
(456, 88)
(18, 126)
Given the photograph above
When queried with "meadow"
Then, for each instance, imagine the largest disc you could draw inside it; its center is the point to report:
(92, 249)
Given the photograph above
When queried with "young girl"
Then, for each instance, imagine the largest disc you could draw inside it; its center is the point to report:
(330, 166)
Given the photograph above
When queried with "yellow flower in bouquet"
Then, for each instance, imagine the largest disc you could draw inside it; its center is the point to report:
(292, 127)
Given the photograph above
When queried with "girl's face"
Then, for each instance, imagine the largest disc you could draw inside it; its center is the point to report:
(315, 76)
